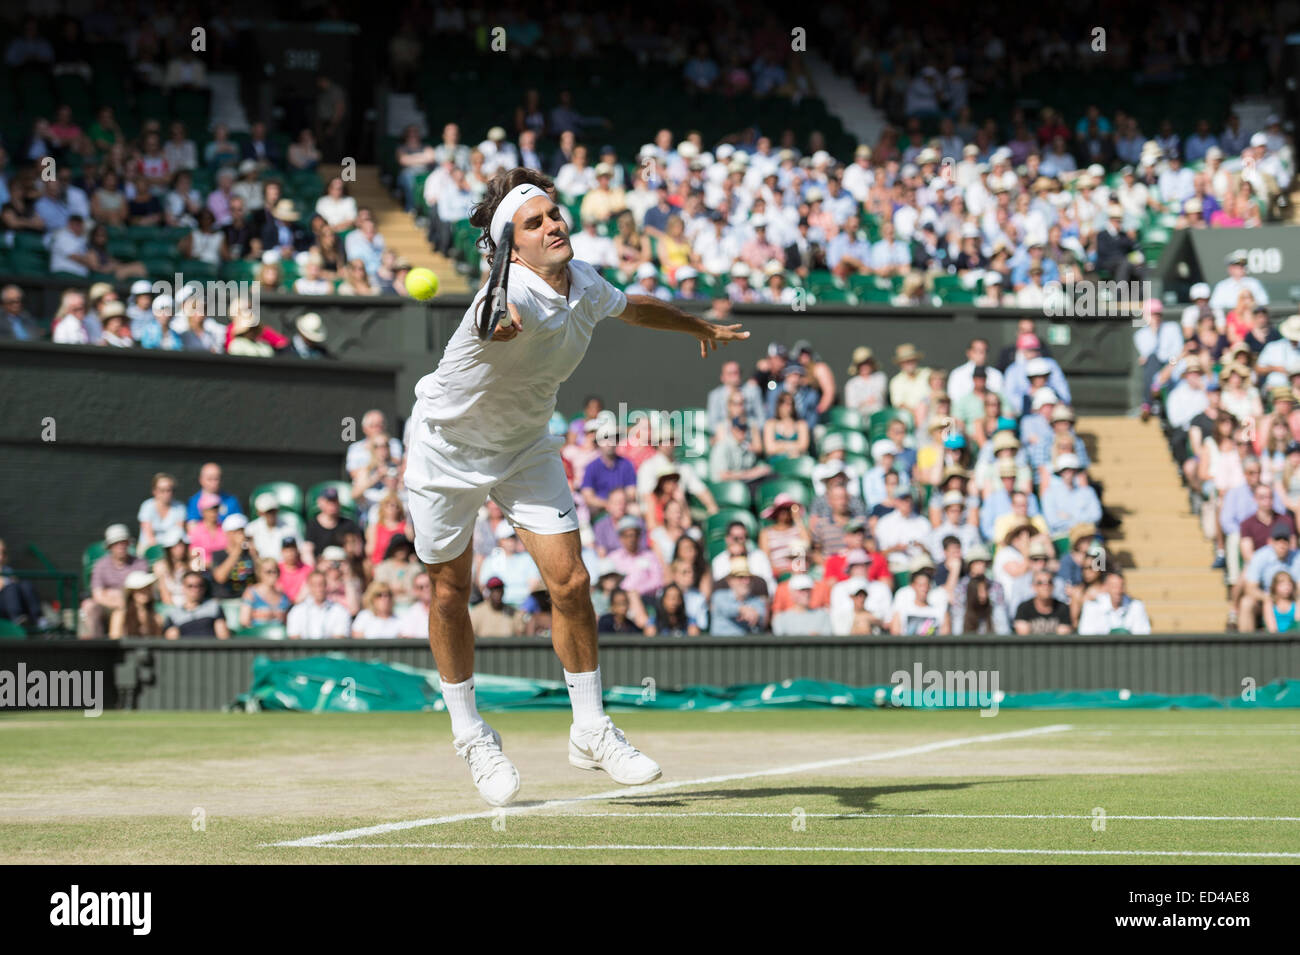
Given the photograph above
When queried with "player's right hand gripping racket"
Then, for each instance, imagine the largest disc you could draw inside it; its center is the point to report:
(493, 308)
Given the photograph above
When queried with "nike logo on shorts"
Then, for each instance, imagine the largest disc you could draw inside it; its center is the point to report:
(567, 513)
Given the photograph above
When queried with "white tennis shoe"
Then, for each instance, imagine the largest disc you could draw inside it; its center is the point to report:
(494, 775)
(603, 746)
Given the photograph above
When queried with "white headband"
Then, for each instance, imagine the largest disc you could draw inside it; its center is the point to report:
(509, 205)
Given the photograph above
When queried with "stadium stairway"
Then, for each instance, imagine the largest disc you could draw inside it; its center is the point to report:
(398, 227)
(1160, 548)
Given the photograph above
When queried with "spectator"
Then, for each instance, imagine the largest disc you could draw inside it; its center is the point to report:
(784, 434)
(1114, 611)
(1226, 290)
(512, 564)
(787, 540)
(18, 600)
(920, 608)
(198, 615)
(107, 581)
(902, 534)
(329, 524)
(303, 154)
(1043, 613)
(910, 387)
(490, 617)
(264, 602)
(137, 616)
(1069, 500)
(316, 616)
(233, 566)
(716, 404)
(734, 456)
(336, 207)
(415, 618)
(734, 610)
(866, 389)
(671, 617)
(377, 620)
(1279, 608)
(293, 569)
(604, 529)
(801, 619)
(617, 619)
(161, 514)
(642, 570)
(69, 248)
(15, 322)
(676, 524)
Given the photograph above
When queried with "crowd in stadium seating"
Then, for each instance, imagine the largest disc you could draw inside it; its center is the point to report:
(1226, 383)
(990, 218)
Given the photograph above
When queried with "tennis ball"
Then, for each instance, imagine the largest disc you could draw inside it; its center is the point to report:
(422, 284)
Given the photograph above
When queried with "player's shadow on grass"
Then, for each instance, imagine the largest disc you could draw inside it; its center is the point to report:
(854, 798)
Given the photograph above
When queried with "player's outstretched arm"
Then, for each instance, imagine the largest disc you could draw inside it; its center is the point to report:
(649, 312)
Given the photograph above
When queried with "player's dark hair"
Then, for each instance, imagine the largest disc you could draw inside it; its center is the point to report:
(499, 186)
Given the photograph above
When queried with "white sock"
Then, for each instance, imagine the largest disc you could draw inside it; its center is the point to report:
(585, 696)
(459, 698)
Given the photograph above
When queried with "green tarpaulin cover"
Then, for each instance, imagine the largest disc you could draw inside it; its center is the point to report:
(337, 683)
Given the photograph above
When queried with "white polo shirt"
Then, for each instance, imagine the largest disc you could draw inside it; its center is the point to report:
(501, 395)
(312, 621)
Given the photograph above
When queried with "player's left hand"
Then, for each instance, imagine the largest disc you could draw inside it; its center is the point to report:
(711, 336)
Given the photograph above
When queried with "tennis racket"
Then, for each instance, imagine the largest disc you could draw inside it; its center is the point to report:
(493, 308)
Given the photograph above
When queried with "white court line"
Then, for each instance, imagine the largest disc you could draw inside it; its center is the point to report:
(626, 791)
(772, 849)
(911, 815)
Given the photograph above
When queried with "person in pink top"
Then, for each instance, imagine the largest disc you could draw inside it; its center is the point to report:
(293, 572)
(206, 534)
(640, 566)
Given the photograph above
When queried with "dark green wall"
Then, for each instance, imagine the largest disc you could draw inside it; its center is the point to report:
(119, 417)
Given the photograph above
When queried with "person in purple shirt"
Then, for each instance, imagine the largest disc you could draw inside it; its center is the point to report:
(604, 531)
(1239, 504)
(605, 474)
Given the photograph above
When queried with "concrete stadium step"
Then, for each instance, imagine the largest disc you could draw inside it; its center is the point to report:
(398, 227)
(1176, 583)
(1206, 616)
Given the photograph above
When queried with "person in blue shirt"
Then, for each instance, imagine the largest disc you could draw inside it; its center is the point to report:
(210, 481)
(1263, 567)
(1035, 256)
(998, 502)
(885, 455)
(735, 611)
(805, 396)
(1026, 375)
(1066, 502)
(1036, 430)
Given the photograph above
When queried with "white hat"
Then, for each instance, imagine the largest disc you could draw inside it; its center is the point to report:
(970, 231)
(504, 530)
(647, 151)
(953, 497)
(138, 580)
(116, 533)
(141, 287)
(1200, 290)
(992, 278)
(334, 552)
(234, 522)
(857, 586)
(821, 157)
(801, 582)
(1065, 462)
(758, 222)
(604, 169)
(169, 537)
(646, 271)
(882, 447)
(724, 152)
(825, 471)
(1259, 139)
(687, 149)
(1044, 396)
(496, 134)
(740, 270)
(310, 327)
(1214, 152)
(266, 501)
(162, 303)
(1037, 366)
(814, 195)
(684, 273)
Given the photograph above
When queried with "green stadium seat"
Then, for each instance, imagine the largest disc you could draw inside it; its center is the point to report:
(855, 442)
(154, 553)
(731, 494)
(11, 631)
(263, 631)
(879, 421)
(845, 419)
(289, 496)
(800, 467)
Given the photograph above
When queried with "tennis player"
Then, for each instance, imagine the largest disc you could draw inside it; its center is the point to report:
(481, 429)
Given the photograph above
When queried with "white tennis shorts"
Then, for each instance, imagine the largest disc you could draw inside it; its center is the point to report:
(448, 483)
